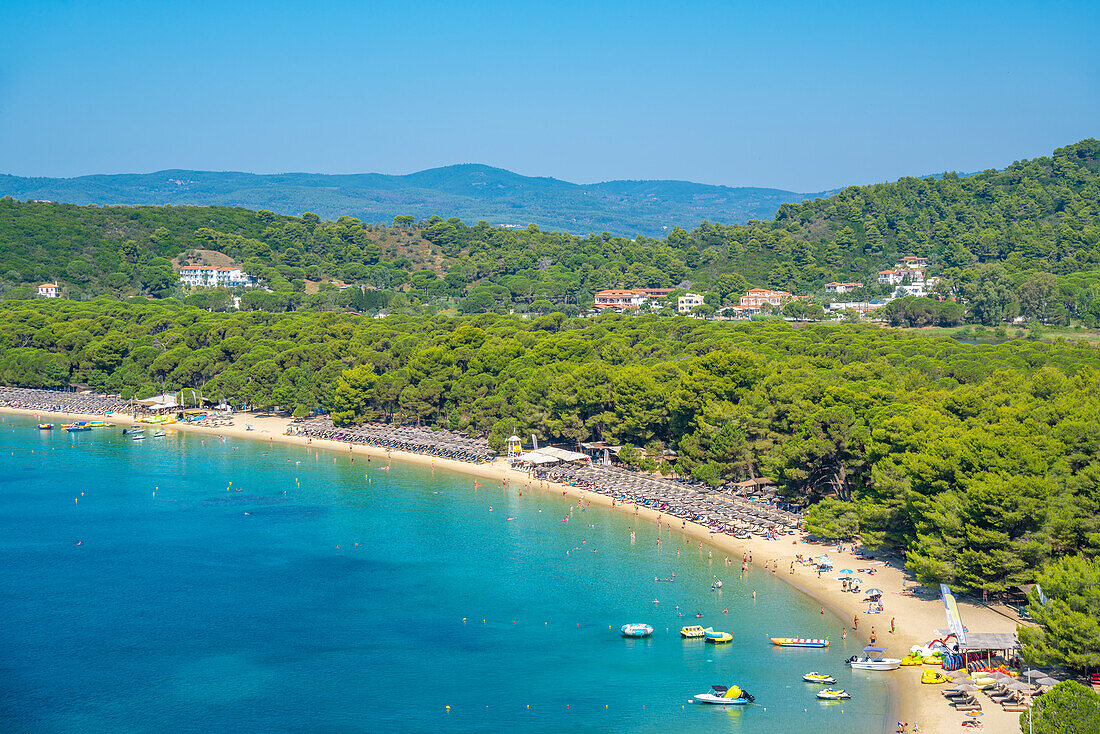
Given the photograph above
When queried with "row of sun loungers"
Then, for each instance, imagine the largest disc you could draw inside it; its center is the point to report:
(60, 401)
(444, 444)
(722, 513)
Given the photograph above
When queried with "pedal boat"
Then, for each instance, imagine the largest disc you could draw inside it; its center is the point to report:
(717, 638)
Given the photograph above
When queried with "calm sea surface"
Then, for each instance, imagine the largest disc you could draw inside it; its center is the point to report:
(172, 585)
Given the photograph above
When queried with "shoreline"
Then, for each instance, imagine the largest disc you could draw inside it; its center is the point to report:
(918, 618)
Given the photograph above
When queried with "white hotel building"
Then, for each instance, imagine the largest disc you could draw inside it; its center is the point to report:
(209, 276)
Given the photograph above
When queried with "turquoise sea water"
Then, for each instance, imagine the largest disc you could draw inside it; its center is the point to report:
(168, 585)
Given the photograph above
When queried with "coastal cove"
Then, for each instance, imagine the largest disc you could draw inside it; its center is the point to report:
(246, 608)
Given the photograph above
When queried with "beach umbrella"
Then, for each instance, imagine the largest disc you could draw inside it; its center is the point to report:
(1017, 685)
(966, 687)
(1033, 674)
(874, 592)
(1002, 677)
(1046, 681)
(846, 570)
(960, 673)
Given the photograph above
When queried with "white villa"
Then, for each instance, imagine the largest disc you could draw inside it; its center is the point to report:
(49, 290)
(210, 276)
(842, 287)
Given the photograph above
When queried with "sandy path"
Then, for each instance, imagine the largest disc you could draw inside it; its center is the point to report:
(917, 617)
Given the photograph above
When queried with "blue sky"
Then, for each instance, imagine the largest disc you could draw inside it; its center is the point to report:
(800, 96)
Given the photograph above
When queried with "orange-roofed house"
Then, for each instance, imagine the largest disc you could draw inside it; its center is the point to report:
(757, 297)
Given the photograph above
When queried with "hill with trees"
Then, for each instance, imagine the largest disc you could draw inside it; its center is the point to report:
(1020, 242)
(471, 192)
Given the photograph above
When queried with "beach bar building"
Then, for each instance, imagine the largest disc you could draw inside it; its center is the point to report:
(159, 403)
(551, 455)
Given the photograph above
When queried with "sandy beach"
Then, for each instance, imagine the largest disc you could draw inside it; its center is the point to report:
(917, 617)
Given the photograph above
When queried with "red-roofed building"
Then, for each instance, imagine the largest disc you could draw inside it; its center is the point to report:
(759, 296)
(619, 300)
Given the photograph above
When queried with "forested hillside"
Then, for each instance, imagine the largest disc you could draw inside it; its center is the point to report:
(471, 192)
(983, 461)
(1021, 241)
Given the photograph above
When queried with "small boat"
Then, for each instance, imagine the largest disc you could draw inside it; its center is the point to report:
(692, 632)
(834, 694)
(159, 434)
(139, 436)
(717, 638)
(799, 642)
(636, 629)
(816, 677)
(731, 696)
(872, 659)
(99, 424)
(45, 426)
(73, 427)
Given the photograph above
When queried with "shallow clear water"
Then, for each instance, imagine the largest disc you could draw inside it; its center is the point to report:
(246, 587)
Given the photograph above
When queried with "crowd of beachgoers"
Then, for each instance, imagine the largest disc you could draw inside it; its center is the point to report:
(729, 510)
(61, 401)
(412, 439)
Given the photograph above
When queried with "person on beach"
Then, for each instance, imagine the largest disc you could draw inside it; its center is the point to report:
(844, 633)
(891, 625)
(754, 594)
(874, 637)
(855, 622)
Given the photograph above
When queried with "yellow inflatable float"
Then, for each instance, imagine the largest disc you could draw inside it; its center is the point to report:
(933, 678)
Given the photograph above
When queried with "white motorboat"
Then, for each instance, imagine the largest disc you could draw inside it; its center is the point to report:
(834, 694)
(872, 659)
(139, 436)
(159, 434)
(816, 677)
(725, 696)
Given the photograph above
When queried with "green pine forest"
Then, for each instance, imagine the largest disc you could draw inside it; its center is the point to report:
(982, 462)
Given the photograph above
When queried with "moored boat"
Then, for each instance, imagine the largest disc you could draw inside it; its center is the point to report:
(800, 642)
(636, 629)
(833, 694)
(717, 638)
(725, 696)
(816, 677)
(159, 434)
(139, 436)
(45, 426)
(73, 427)
(692, 632)
(872, 659)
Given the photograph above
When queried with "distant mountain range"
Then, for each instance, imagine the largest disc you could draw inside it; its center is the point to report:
(472, 192)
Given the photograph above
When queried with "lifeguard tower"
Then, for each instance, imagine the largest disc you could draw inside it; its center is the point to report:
(515, 448)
